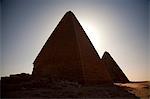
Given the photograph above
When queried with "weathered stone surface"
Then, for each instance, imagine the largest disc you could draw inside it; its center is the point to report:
(115, 72)
(69, 55)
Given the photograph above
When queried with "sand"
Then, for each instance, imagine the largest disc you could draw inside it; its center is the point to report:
(140, 89)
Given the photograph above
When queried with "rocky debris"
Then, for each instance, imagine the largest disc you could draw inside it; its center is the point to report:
(16, 78)
(43, 88)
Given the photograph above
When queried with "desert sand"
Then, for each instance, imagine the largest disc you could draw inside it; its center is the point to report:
(140, 89)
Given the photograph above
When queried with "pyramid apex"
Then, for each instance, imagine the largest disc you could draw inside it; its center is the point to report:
(70, 12)
(106, 54)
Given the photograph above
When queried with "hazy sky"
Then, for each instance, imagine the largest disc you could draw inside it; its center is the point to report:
(117, 26)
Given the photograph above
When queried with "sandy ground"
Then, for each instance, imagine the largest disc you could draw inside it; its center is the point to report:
(140, 89)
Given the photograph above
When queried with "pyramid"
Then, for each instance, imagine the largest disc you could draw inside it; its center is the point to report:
(115, 72)
(68, 54)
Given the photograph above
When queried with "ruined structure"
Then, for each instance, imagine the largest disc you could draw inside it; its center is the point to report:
(69, 55)
(114, 70)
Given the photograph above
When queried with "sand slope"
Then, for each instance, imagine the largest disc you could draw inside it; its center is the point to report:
(140, 89)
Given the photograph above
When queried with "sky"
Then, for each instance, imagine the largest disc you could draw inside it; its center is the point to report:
(117, 26)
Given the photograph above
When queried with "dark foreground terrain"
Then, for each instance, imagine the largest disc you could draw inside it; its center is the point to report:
(22, 86)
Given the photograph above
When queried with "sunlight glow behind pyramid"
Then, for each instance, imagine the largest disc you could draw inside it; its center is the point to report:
(68, 54)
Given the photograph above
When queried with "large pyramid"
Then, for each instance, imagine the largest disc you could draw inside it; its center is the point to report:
(68, 54)
(114, 70)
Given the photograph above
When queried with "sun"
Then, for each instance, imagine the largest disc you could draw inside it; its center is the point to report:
(94, 34)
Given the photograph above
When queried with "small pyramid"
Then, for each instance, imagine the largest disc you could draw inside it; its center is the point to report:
(115, 72)
(69, 55)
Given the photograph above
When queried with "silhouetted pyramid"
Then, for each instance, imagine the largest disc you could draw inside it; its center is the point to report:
(115, 72)
(68, 54)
